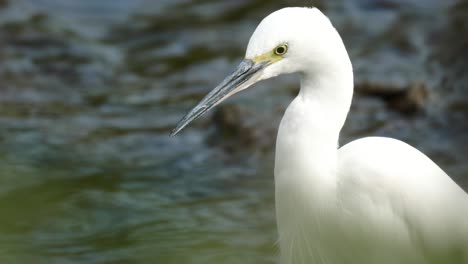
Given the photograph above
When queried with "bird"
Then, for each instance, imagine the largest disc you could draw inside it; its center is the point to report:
(373, 200)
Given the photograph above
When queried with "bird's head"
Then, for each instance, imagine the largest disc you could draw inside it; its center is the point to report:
(289, 40)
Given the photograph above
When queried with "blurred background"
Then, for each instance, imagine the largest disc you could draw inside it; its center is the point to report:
(89, 91)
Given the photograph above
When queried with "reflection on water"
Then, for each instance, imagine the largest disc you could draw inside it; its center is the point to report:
(89, 91)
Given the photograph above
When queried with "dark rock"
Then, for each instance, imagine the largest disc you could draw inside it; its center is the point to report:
(407, 100)
(239, 129)
(3, 3)
(231, 128)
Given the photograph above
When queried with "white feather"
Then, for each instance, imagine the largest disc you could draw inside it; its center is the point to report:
(375, 200)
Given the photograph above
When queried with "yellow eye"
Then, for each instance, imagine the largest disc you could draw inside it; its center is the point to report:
(281, 49)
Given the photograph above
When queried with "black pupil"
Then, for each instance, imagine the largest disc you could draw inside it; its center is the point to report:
(280, 50)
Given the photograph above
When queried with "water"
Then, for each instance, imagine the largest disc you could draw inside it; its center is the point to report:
(89, 91)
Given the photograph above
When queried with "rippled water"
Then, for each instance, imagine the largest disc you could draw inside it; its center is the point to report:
(89, 91)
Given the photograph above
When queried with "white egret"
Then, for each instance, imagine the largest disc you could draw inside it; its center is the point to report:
(374, 200)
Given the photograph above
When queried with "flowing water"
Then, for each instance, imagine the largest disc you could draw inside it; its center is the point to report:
(89, 91)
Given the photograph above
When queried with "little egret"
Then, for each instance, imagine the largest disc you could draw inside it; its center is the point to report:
(374, 200)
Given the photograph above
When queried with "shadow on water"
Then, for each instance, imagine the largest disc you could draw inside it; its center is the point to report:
(89, 91)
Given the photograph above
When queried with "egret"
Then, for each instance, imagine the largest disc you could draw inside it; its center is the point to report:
(374, 200)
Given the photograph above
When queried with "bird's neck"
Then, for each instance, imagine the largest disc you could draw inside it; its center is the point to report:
(307, 142)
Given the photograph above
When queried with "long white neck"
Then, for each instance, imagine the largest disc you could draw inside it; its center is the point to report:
(307, 142)
(306, 158)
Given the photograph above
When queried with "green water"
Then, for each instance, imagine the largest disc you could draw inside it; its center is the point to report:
(89, 91)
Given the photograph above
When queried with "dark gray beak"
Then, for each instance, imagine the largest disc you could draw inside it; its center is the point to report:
(244, 76)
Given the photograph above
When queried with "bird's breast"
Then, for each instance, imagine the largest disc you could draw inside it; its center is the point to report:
(316, 225)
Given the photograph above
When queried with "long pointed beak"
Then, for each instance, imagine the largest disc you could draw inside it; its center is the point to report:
(244, 76)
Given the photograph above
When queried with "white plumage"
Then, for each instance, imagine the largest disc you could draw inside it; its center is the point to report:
(374, 200)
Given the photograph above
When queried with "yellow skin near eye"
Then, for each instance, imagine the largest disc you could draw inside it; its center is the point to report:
(272, 56)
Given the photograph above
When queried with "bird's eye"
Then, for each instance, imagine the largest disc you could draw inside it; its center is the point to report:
(281, 49)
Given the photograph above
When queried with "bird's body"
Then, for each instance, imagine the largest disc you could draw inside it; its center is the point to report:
(374, 200)
(356, 212)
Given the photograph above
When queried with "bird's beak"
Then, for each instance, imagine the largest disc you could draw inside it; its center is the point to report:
(246, 74)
